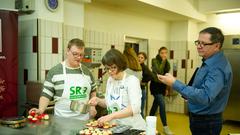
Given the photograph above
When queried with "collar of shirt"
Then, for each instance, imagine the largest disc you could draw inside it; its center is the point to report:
(213, 60)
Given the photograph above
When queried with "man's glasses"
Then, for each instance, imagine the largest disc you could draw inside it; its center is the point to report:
(76, 55)
(202, 44)
(110, 68)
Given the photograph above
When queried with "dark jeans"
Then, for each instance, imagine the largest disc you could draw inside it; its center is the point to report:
(159, 101)
(205, 124)
(143, 100)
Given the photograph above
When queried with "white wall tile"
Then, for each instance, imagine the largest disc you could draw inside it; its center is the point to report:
(48, 28)
(48, 61)
(55, 59)
(42, 75)
(48, 45)
(20, 76)
(27, 59)
(55, 29)
(92, 36)
(32, 74)
(42, 44)
(86, 35)
(60, 57)
(27, 44)
(96, 37)
(34, 27)
(60, 45)
(20, 45)
(42, 60)
(60, 30)
(33, 61)
(42, 28)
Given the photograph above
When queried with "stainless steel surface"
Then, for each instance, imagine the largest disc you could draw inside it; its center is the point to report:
(232, 110)
(54, 126)
(231, 42)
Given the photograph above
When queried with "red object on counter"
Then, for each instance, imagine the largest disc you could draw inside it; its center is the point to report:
(33, 113)
(33, 117)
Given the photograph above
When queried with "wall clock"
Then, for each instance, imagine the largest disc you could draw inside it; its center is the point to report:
(52, 5)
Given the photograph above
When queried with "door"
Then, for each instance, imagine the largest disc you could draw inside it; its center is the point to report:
(232, 110)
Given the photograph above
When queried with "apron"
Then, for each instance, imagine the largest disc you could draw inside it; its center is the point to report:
(115, 96)
(116, 91)
(73, 102)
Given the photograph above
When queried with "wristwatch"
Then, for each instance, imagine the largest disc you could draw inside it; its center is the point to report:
(52, 5)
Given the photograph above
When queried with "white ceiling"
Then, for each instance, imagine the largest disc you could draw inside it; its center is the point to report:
(142, 8)
(203, 6)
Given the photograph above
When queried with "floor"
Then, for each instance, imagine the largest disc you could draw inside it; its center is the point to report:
(179, 124)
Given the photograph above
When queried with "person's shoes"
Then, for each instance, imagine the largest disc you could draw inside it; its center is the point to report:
(167, 131)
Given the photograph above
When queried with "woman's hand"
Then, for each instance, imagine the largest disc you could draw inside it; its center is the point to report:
(104, 119)
(93, 101)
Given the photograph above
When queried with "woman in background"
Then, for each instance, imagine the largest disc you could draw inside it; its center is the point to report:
(160, 65)
(120, 89)
(146, 77)
(133, 66)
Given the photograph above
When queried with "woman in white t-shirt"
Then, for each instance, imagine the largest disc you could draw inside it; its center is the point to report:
(123, 93)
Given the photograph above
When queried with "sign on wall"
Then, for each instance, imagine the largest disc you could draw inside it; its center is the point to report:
(0, 35)
(8, 63)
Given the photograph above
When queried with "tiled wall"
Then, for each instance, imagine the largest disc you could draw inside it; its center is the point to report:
(70, 32)
(187, 61)
(154, 46)
(40, 48)
(27, 57)
(50, 46)
(103, 40)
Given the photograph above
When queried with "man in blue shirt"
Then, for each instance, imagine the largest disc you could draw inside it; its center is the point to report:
(208, 95)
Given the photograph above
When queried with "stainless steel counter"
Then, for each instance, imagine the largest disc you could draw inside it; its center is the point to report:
(54, 126)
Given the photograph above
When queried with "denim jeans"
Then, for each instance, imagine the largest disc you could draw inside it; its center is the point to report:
(143, 100)
(207, 125)
(159, 101)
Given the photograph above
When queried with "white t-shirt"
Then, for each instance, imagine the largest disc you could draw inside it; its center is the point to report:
(126, 92)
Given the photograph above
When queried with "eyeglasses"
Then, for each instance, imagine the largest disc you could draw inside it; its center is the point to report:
(202, 44)
(110, 68)
(76, 55)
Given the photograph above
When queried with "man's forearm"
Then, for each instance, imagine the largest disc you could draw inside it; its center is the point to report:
(43, 103)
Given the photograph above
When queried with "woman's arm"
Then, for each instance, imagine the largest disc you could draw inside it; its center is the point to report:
(126, 112)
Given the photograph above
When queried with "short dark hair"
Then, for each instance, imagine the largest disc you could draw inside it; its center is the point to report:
(144, 54)
(77, 42)
(162, 48)
(114, 56)
(216, 35)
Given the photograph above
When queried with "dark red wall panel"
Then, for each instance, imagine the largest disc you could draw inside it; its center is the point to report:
(8, 63)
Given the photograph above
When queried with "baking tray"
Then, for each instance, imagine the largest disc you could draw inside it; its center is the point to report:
(14, 122)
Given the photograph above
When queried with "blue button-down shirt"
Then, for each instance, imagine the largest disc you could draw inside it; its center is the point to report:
(211, 86)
